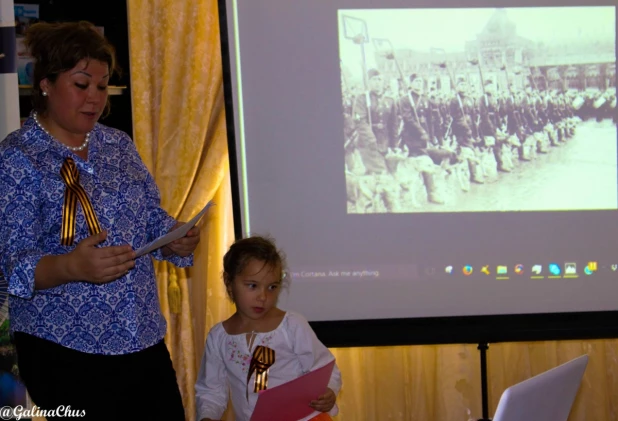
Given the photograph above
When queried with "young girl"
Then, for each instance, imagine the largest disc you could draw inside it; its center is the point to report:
(254, 272)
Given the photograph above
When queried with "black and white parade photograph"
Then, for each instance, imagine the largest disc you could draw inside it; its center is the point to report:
(479, 109)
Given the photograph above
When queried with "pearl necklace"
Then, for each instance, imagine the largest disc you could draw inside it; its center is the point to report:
(72, 148)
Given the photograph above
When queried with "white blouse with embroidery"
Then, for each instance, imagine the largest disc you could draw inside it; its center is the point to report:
(226, 360)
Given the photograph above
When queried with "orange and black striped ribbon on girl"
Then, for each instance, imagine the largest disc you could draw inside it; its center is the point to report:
(73, 193)
(261, 361)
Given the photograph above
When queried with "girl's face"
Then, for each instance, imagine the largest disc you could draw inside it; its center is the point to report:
(255, 290)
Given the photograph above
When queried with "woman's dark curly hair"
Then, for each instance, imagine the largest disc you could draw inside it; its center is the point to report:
(59, 47)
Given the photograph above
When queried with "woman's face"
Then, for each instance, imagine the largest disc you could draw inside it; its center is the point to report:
(78, 97)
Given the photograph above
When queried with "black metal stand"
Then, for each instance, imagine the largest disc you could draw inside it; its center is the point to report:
(484, 394)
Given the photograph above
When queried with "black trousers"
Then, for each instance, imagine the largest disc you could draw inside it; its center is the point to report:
(137, 386)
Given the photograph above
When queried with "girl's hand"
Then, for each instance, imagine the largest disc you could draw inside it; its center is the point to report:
(325, 402)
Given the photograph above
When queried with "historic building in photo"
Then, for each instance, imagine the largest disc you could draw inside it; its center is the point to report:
(583, 61)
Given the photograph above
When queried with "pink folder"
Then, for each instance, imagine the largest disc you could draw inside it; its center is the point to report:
(290, 401)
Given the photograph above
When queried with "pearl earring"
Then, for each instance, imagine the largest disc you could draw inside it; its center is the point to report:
(44, 93)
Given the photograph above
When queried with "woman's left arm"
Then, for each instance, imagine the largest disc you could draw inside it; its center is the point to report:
(184, 246)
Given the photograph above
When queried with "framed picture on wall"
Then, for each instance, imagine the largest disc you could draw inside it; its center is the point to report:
(25, 15)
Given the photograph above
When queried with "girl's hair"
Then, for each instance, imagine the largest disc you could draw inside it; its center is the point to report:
(59, 47)
(254, 247)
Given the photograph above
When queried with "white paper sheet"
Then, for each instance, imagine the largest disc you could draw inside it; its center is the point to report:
(179, 232)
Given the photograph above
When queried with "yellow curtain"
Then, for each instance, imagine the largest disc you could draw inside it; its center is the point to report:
(443, 382)
(179, 130)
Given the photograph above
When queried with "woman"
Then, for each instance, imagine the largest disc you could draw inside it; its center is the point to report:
(76, 200)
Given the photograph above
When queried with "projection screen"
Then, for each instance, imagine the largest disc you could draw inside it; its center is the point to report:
(429, 161)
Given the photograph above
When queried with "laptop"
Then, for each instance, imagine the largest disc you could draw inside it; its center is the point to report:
(548, 396)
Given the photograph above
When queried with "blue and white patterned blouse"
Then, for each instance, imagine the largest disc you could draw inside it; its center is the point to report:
(115, 318)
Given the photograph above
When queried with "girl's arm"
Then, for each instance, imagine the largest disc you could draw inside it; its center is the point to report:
(312, 353)
(211, 388)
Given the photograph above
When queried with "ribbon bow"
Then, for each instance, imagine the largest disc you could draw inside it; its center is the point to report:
(261, 361)
(73, 193)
